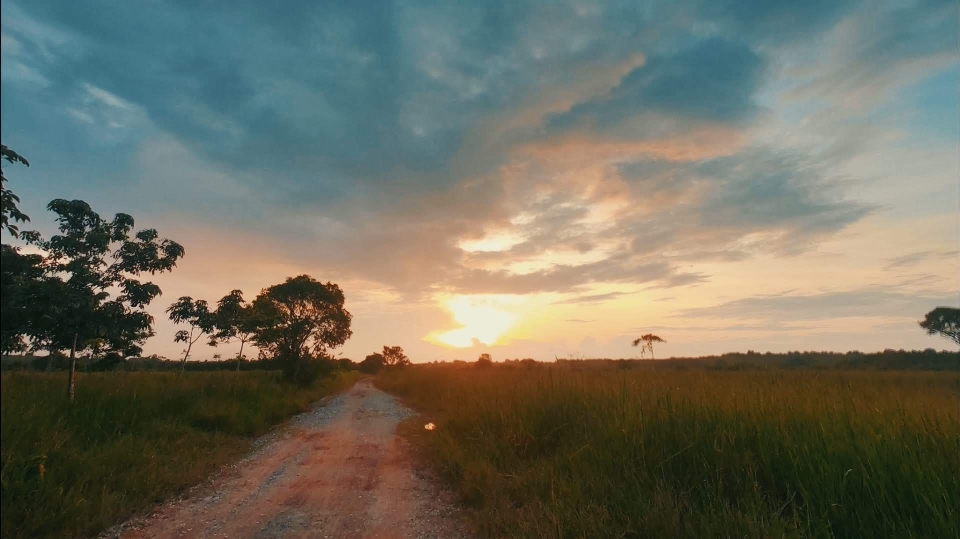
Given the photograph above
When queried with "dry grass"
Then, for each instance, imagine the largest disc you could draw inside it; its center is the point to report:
(130, 440)
(553, 452)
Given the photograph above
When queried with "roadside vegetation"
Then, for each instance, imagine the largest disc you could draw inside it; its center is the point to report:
(116, 441)
(586, 449)
(130, 440)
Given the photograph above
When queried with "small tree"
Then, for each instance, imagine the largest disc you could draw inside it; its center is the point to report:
(647, 341)
(197, 315)
(8, 201)
(943, 321)
(300, 319)
(484, 360)
(372, 363)
(233, 319)
(93, 295)
(393, 356)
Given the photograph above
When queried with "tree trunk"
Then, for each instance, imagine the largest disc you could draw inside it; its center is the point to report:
(72, 381)
(50, 361)
(183, 362)
(239, 355)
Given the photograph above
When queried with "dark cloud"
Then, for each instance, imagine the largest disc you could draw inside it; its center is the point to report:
(763, 190)
(714, 80)
(774, 21)
(350, 130)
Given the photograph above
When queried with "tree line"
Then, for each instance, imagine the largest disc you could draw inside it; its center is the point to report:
(87, 288)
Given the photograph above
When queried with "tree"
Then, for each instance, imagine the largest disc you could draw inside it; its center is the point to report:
(233, 319)
(393, 356)
(484, 360)
(197, 315)
(648, 341)
(300, 319)
(8, 200)
(21, 278)
(94, 296)
(944, 321)
(372, 363)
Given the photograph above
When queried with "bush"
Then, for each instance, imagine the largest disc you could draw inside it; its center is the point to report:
(372, 363)
(304, 372)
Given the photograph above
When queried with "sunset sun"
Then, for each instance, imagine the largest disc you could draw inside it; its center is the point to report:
(480, 320)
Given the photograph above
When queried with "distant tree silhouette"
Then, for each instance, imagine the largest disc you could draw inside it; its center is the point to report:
(647, 341)
(484, 360)
(299, 320)
(233, 319)
(393, 356)
(372, 363)
(8, 201)
(197, 315)
(944, 321)
(93, 298)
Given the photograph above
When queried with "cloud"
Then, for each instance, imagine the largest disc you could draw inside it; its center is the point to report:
(778, 192)
(916, 258)
(713, 81)
(874, 50)
(617, 141)
(865, 302)
(592, 298)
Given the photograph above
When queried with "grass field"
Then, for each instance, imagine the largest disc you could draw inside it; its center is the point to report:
(557, 452)
(130, 440)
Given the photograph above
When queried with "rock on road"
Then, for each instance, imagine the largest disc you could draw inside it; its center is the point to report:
(339, 470)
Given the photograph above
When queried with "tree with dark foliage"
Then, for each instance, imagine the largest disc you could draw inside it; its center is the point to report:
(393, 356)
(8, 201)
(300, 320)
(92, 269)
(21, 297)
(372, 363)
(484, 360)
(647, 341)
(943, 321)
(233, 319)
(197, 315)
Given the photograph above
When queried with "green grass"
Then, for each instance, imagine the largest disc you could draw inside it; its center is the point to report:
(129, 441)
(556, 452)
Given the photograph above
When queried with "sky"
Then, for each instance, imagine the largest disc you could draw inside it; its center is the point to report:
(520, 178)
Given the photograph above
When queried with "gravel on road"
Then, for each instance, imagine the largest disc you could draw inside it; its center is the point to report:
(339, 470)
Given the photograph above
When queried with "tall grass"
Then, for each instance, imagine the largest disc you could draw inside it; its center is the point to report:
(552, 452)
(130, 440)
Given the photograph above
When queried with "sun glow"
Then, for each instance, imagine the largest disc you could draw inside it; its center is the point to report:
(480, 320)
(497, 241)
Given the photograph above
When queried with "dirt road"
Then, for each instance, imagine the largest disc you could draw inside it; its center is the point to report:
(337, 471)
